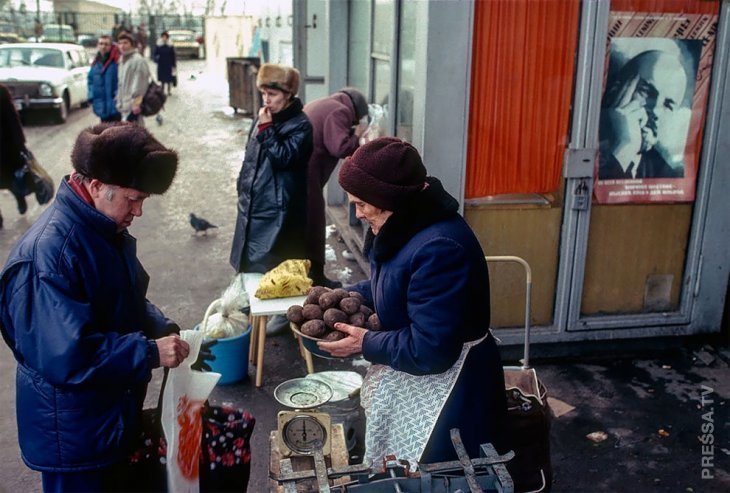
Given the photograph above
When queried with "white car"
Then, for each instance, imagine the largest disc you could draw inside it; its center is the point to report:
(45, 76)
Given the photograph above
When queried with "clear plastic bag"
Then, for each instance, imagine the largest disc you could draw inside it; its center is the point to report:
(231, 319)
(377, 115)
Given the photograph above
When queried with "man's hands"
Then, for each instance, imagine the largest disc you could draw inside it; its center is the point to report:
(173, 350)
(352, 344)
(627, 115)
(136, 109)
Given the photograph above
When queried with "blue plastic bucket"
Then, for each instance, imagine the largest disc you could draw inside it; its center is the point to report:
(231, 357)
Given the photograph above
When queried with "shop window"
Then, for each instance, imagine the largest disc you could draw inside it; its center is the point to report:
(406, 70)
(359, 45)
(523, 61)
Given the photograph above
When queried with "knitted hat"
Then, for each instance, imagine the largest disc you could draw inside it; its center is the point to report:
(358, 101)
(278, 77)
(126, 155)
(384, 172)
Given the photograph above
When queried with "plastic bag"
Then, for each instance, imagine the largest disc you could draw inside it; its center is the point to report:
(185, 394)
(230, 320)
(377, 115)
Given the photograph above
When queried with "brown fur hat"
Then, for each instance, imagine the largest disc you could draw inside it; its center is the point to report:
(126, 155)
(278, 77)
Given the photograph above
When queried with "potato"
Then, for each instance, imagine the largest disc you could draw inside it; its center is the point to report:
(350, 305)
(358, 319)
(355, 294)
(341, 293)
(335, 335)
(333, 316)
(366, 310)
(314, 328)
(329, 300)
(294, 314)
(373, 322)
(314, 293)
(312, 312)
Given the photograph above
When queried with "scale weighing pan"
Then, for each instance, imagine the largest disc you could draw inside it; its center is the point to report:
(303, 393)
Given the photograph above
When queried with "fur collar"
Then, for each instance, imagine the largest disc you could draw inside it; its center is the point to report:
(294, 108)
(432, 205)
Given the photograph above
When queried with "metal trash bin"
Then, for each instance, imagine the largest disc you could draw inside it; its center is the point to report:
(242, 92)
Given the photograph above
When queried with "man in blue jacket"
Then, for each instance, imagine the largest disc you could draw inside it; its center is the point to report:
(74, 312)
(435, 365)
(103, 82)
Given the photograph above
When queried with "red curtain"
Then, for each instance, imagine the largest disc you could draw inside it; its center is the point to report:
(523, 61)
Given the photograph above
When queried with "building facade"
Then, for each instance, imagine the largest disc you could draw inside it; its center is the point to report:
(527, 110)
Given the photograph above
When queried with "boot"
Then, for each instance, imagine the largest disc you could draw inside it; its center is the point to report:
(316, 273)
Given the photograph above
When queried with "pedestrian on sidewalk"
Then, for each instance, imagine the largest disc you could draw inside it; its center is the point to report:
(103, 81)
(435, 365)
(272, 187)
(73, 310)
(134, 78)
(12, 147)
(164, 57)
(337, 124)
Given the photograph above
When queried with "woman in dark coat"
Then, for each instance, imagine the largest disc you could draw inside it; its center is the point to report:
(164, 57)
(12, 143)
(272, 184)
(435, 366)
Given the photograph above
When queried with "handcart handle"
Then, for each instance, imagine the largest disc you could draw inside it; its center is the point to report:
(528, 298)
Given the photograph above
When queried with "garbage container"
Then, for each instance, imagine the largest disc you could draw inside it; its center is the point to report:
(242, 92)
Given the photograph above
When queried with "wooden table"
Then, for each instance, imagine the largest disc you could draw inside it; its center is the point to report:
(261, 310)
(339, 457)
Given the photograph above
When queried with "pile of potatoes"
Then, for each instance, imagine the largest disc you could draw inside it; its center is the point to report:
(324, 307)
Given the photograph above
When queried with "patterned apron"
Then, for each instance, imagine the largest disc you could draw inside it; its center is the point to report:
(402, 409)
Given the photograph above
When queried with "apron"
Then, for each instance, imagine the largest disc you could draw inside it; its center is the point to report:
(401, 409)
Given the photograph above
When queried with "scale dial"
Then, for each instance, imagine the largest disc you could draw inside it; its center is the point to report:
(303, 433)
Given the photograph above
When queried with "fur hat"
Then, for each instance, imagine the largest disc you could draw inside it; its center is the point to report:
(278, 77)
(384, 172)
(126, 155)
(358, 101)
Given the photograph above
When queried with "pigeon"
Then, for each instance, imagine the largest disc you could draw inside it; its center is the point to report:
(200, 224)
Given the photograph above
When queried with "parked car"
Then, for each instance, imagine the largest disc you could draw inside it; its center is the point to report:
(58, 33)
(45, 76)
(184, 43)
(8, 33)
(87, 40)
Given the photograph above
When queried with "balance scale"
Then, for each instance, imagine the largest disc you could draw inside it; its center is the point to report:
(303, 431)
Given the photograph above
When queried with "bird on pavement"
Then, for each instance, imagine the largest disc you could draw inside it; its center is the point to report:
(199, 224)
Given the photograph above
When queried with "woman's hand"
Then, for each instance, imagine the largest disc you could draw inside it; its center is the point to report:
(264, 115)
(351, 344)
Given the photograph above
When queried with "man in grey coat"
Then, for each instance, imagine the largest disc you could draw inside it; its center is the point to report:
(336, 130)
(134, 78)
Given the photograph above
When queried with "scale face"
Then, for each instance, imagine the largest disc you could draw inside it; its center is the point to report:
(304, 430)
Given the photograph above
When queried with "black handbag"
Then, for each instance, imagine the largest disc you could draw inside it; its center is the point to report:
(153, 100)
(32, 178)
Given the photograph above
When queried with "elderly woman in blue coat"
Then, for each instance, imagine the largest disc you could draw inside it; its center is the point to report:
(435, 365)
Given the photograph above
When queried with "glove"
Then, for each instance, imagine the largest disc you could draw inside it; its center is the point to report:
(204, 355)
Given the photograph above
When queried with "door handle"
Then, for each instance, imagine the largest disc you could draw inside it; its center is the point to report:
(313, 25)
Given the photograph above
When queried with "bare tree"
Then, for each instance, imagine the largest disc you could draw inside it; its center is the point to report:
(157, 7)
